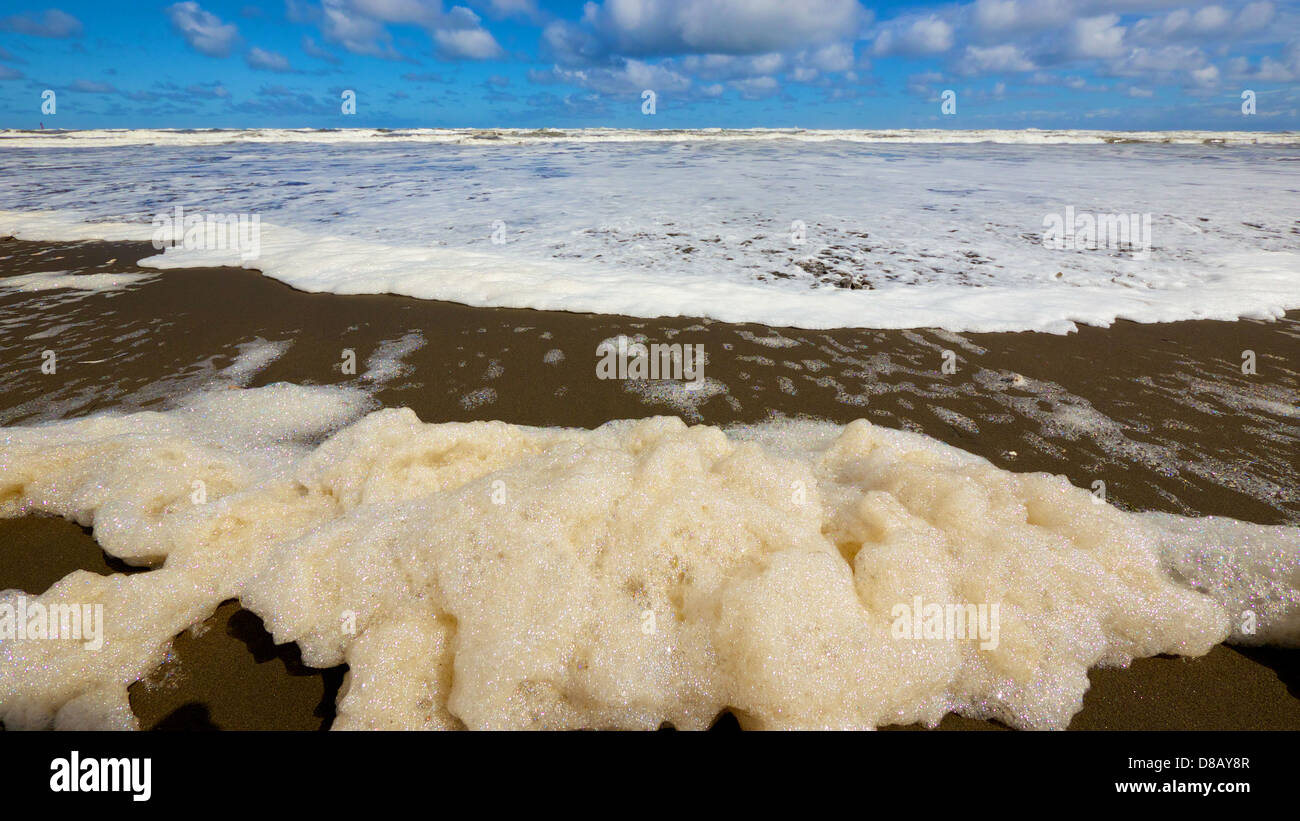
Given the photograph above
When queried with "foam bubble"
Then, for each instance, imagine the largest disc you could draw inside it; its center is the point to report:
(385, 364)
(62, 280)
(646, 571)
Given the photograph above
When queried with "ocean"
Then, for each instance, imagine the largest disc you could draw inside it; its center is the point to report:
(958, 230)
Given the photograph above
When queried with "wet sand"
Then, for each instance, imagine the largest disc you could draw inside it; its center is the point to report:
(1161, 414)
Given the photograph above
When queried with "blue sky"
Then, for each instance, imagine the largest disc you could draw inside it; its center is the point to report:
(1120, 64)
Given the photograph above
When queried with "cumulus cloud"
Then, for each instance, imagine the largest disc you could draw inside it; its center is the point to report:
(267, 60)
(1255, 16)
(203, 30)
(730, 67)
(832, 57)
(524, 9)
(1166, 60)
(355, 32)
(924, 84)
(1185, 23)
(360, 26)
(628, 76)
(1021, 15)
(756, 88)
(920, 36)
(53, 23)
(1206, 77)
(706, 46)
(1269, 70)
(1098, 36)
(660, 28)
(460, 35)
(474, 44)
(994, 59)
(312, 49)
(701, 49)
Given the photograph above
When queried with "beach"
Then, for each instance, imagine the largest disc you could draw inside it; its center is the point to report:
(1161, 414)
(918, 377)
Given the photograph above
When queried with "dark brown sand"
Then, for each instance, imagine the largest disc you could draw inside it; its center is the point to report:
(1162, 414)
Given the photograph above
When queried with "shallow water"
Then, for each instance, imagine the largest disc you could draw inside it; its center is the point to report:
(783, 230)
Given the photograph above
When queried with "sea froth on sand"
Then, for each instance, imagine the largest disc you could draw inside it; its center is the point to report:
(491, 575)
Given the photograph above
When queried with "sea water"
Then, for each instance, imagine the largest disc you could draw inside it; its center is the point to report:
(957, 230)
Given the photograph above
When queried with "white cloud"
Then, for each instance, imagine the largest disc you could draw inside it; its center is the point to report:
(354, 31)
(311, 49)
(526, 9)
(267, 60)
(978, 60)
(471, 43)
(645, 28)
(1098, 36)
(417, 12)
(203, 30)
(833, 57)
(1209, 21)
(1205, 77)
(360, 26)
(1286, 70)
(1254, 16)
(729, 67)
(1271, 71)
(1013, 15)
(756, 88)
(922, 85)
(742, 45)
(53, 23)
(924, 35)
(1163, 60)
(629, 76)
(753, 46)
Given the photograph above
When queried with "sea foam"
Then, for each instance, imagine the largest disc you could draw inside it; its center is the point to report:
(793, 229)
(488, 575)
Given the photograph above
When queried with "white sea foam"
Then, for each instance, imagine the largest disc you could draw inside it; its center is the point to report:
(385, 364)
(504, 576)
(903, 235)
(64, 281)
(681, 397)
